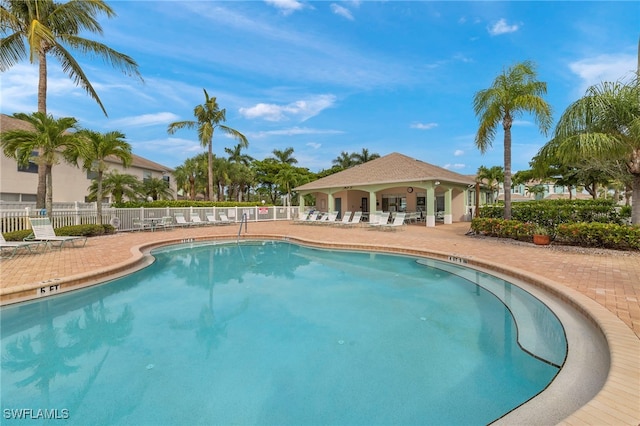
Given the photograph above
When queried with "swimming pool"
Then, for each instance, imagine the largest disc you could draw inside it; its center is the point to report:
(277, 333)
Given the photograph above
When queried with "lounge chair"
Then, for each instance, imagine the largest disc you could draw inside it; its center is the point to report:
(397, 223)
(380, 218)
(43, 231)
(166, 223)
(355, 220)
(181, 221)
(9, 248)
(328, 219)
(346, 217)
(313, 217)
(141, 224)
(196, 221)
(224, 220)
(304, 217)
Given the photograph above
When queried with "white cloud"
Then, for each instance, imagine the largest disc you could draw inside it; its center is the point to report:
(145, 120)
(423, 126)
(300, 110)
(287, 7)
(342, 11)
(294, 131)
(501, 27)
(314, 145)
(458, 152)
(601, 68)
(456, 166)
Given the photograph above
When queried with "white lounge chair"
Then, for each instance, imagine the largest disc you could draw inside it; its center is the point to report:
(346, 217)
(43, 231)
(328, 219)
(166, 223)
(355, 220)
(141, 224)
(181, 221)
(9, 248)
(196, 221)
(380, 218)
(224, 220)
(397, 223)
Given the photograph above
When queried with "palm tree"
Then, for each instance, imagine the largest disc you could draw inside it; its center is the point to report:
(50, 28)
(513, 92)
(363, 156)
(285, 156)
(157, 189)
(49, 137)
(287, 178)
(93, 152)
(118, 185)
(236, 155)
(187, 175)
(344, 160)
(493, 176)
(208, 118)
(603, 125)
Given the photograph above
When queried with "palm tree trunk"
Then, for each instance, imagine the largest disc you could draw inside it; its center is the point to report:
(99, 198)
(507, 169)
(635, 206)
(41, 192)
(49, 188)
(210, 160)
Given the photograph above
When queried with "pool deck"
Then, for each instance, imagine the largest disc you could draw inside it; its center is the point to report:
(603, 284)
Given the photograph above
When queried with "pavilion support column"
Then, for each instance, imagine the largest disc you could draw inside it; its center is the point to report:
(431, 205)
(372, 204)
(301, 204)
(448, 213)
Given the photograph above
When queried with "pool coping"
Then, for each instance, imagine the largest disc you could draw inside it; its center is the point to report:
(617, 402)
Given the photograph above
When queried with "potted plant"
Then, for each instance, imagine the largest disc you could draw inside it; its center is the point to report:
(541, 235)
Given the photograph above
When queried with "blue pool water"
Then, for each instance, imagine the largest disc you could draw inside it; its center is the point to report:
(274, 333)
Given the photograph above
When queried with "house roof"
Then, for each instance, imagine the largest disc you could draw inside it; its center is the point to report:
(10, 123)
(392, 168)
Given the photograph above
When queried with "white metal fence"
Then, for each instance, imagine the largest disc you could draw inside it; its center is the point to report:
(83, 214)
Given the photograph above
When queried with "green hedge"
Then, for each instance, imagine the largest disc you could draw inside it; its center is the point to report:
(76, 230)
(186, 203)
(594, 234)
(551, 213)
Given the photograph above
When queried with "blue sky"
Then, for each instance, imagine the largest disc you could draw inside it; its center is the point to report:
(330, 76)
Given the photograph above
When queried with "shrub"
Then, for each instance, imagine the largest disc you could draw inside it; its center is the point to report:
(17, 235)
(86, 230)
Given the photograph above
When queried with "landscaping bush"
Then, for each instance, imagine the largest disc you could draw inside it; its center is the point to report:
(594, 234)
(551, 213)
(85, 230)
(186, 203)
(17, 235)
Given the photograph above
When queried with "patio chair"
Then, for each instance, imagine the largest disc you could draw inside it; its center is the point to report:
(165, 223)
(141, 224)
(355, 220)
(196, 221)
(224, 220)
(12, 247)
(181, 221)
(346, 217)
(380, 218)
(311, 218)
(397, 222)
(328, 219)
(43, 231)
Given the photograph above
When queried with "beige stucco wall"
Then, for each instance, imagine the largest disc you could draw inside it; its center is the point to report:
(69, 183)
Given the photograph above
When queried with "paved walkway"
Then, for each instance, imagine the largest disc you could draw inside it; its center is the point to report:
(610, 279)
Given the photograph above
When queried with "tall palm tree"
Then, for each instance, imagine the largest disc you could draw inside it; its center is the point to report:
(287, 178)
(187, 176)
(363, 156)
(118, 185)
(38, 28)
(285, 156)
(236, 155)
(95, 149)
(49, 137)
(604, 125)
(513, 92)
(209, 117)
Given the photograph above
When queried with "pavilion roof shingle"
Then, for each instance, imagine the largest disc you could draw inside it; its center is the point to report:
(392, 168)
(9, 123)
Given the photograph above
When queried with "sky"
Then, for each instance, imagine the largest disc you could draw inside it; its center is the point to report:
(326, 77)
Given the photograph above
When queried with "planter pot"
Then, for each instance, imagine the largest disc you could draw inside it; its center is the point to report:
(541, 240)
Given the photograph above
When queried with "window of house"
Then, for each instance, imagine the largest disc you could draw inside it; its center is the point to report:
(31, 167)
(394, 203)
(166, 180)
(92, 174)
(146, 175)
